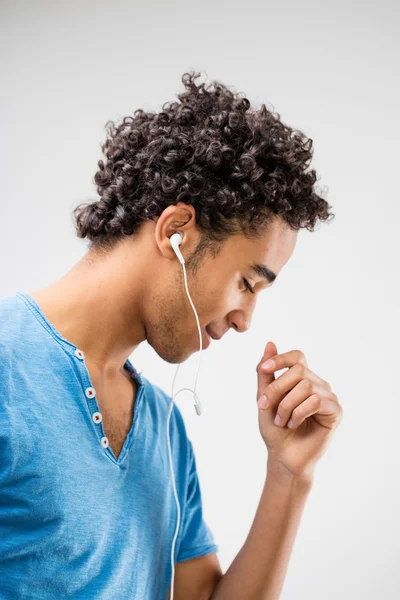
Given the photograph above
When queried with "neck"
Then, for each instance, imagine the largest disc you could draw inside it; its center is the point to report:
(97, 307)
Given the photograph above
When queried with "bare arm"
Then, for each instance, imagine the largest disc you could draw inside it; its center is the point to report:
(258, 570)
(196, 578)
(309, 413)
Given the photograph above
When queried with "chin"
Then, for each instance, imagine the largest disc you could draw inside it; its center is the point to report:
(176, 350)
(178, 354)
(170, 353)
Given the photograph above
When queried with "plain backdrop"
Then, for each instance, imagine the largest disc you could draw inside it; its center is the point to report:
(329, 69)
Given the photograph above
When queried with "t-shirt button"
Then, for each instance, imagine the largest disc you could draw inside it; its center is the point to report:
(79, 354)
(97, 417)
(90, 392)
(104, 442)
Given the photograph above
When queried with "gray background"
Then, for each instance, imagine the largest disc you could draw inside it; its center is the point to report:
(330, 69)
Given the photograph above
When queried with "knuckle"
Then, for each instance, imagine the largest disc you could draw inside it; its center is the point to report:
(273, 386)
(307, 384)
(299, 370)
(283, 409)
(327, 385)
(316, 400)
(339, 416)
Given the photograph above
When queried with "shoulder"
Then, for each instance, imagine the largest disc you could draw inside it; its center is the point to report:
(8, 307)
(11, 335)
(10, 326)
(12, 319)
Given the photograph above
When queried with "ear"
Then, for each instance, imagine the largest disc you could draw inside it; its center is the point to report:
(174, 218)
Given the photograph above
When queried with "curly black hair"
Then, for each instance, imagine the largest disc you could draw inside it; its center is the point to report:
(235, 166)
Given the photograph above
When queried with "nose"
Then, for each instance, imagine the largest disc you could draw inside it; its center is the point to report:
(240, 325)
(240, 320)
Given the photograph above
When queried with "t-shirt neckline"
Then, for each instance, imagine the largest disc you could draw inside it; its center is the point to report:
(66, 344)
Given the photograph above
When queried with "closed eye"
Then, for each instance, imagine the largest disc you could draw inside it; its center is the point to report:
(248, 286)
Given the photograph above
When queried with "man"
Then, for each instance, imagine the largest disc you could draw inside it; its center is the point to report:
(88, 509)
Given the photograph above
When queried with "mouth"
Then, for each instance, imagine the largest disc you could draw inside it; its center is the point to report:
(207, 336)
(212, 335)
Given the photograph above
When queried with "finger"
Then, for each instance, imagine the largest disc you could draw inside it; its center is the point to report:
(296, 398)
(264, 378)
(287, 359)
(326, 412)
(269, 351)
(287, 381)
(266, 349)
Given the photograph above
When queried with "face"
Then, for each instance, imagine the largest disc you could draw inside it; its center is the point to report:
(217, 289)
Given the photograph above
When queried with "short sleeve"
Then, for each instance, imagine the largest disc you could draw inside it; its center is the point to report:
(196, 536)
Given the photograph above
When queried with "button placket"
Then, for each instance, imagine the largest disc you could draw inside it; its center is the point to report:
(90, 393)
(97, 417)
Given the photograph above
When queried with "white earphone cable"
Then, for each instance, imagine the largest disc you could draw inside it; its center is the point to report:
(197, 406)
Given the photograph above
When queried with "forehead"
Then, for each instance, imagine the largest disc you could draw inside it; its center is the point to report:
(273, 249)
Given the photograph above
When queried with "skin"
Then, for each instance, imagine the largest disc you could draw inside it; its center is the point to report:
(108, 304)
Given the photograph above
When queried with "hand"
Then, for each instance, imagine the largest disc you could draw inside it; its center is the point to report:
(308, 410)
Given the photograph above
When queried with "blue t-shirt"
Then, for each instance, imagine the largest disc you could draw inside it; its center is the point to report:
(75, 521)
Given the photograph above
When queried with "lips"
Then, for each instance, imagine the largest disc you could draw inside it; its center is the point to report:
(213, 335)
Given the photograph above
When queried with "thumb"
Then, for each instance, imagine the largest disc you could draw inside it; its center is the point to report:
(265, 377)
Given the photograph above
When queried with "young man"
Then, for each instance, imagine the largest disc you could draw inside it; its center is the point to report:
(87, 504)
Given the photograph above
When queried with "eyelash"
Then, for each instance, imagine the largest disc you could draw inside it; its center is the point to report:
(248, 286)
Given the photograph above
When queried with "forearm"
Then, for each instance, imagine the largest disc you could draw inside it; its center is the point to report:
(258, 570)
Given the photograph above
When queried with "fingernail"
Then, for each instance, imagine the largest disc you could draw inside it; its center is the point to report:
(290, 424)
(268, 364)
(263, 401)
(277, 420)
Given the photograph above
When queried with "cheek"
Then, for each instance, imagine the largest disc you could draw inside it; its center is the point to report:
(221, 298)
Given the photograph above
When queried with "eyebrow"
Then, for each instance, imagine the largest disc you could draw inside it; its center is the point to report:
(263, 271)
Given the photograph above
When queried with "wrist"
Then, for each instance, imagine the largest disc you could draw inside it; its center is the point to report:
(283, 476)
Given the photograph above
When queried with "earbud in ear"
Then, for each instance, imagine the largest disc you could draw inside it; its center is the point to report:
(175, 241)
(176, 238)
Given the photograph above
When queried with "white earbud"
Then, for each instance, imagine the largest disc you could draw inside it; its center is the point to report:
(176, 240)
